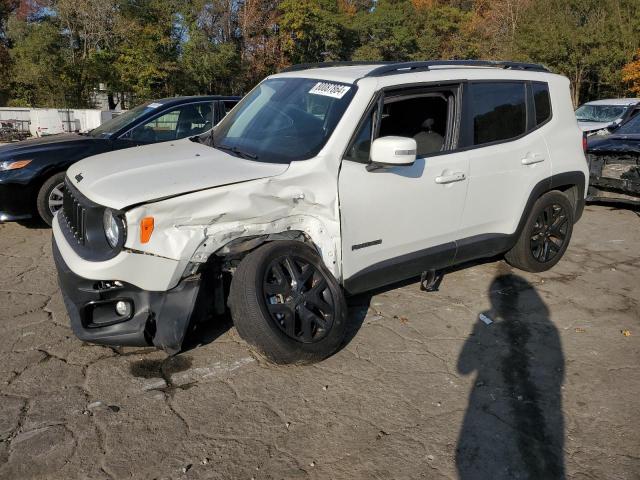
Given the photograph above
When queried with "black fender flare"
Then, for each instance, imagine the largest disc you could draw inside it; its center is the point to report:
(565, 179)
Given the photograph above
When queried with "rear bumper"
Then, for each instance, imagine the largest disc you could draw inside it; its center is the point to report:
(156, 318)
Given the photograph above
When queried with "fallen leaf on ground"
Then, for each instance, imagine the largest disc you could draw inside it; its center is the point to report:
(580, 330)
(625, 332)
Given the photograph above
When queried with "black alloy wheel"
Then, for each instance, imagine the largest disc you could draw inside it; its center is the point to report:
(298, 299)
(287, 305)
(546, 234)
(549, 233)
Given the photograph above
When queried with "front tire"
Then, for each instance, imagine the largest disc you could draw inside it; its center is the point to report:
(49, 199)
(287, 305)
(546, 234)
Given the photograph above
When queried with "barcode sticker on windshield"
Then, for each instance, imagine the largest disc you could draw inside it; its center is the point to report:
(327, 89)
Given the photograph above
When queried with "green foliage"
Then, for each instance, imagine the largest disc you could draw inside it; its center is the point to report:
(143, 49)
(37, 73)
(312, 30)
(587, 40)
(406, 30)
(146, 61)
(442, 32)
(386, 33)
(208, 66)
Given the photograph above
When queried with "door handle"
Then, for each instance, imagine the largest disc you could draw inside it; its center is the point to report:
(454, 177)
(532, 158)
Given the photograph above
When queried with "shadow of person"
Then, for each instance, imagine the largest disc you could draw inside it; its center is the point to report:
(513, 427)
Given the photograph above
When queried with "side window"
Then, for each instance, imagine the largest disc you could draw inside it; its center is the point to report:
(541, 101)
(359, 151)
(180, 122)
(421, 115)
(228, 105)
(498, 111)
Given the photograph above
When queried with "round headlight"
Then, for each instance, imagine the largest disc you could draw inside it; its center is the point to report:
(111, 228)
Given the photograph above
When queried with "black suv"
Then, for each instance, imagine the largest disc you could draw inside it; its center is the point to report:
(32, 171)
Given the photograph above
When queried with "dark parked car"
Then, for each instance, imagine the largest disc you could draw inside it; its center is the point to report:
(32, 171)
(614, 164)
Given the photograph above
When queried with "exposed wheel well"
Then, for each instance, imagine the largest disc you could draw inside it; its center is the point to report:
(572, 192)
(234, 251)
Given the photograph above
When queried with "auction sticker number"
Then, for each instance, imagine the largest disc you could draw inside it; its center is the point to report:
(328, 89)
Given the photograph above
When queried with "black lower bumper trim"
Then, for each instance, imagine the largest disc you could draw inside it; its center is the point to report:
(156, 318)
(17, 197)
(8, 217)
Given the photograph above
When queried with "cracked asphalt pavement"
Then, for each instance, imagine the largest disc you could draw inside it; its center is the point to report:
(424, 389)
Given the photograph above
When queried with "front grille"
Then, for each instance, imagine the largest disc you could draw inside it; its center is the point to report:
(75, 215)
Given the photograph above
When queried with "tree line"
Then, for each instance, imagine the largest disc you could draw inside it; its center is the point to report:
(58, 52)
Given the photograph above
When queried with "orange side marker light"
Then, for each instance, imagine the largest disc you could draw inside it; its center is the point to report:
(146, 229)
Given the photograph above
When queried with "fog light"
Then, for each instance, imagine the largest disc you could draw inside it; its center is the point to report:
(123, 308)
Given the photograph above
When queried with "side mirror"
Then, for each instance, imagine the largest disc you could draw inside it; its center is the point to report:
(393, 151)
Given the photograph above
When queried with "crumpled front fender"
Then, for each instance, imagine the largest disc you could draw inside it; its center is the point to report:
(192, 227)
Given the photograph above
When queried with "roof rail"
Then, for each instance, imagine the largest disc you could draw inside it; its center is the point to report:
(391, 68)
(407, 67)
(306, 66)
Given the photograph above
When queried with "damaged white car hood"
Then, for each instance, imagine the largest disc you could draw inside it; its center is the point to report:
(136, 175)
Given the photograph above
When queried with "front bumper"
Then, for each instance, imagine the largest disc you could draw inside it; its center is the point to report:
(17, 196)
(157, 318)
(614, 177)
(148, 272)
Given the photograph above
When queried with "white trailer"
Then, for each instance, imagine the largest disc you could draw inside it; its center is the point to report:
(88, 119)
(45, 121)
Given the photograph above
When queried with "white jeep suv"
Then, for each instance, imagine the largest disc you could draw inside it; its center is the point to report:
(325, 180)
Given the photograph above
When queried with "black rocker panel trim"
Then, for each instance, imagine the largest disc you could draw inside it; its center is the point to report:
(400, 268)
(463, 250)
(483, 246)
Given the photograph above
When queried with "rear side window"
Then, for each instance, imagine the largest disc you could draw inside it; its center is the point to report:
(541, 101)
(498, 110)
(228, 105)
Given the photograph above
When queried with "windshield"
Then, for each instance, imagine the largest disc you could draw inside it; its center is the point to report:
(600, 113)
(632, 127)
(283, 119)
(122, 120)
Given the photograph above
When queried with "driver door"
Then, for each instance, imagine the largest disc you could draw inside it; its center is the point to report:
(399, 221)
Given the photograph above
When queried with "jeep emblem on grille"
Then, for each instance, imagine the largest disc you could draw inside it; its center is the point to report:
(79, 177)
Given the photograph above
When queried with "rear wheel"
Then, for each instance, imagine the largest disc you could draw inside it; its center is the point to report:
(287, 305)
(50, 197)
(545, 237)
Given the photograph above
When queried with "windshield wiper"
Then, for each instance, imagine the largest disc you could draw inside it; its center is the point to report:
(237, 151)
